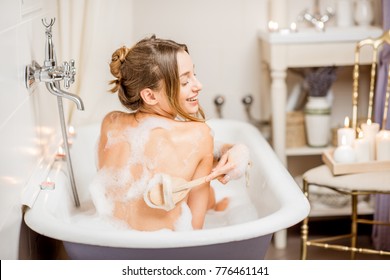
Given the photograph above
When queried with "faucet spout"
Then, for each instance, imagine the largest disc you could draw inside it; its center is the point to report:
(55, 89)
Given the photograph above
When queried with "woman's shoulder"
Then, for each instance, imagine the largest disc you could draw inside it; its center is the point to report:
(114, 120)
(198, 132)
(202, 126)
(196, 127)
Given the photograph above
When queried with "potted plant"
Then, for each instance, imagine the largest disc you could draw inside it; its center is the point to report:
(318, 82)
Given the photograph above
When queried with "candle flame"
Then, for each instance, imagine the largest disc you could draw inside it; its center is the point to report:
(60, 151)
(293, 26)
(71, 130)
(361, 134)
(369, 121)
(346, 122)
(273, 25)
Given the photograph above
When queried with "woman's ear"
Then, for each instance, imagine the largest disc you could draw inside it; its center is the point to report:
(149, 96)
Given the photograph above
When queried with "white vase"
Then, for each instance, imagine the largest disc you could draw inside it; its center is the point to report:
(364, 12)
(317, 121)
(344, 13)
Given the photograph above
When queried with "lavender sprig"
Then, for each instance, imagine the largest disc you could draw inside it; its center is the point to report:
(319, 80)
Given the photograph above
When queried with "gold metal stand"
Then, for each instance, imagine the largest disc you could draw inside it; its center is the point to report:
(375, 44)
(324, 242)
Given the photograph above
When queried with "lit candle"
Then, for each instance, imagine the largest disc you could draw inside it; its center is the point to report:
(347, 133)
(60, 153)
(362, 148)
(293, 27)
(47, 185)
(383, 145)
(273, 26)
(71, 131)
(370, 131)
(344, 153)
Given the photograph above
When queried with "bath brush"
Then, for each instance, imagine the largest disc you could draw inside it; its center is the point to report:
(165, 191)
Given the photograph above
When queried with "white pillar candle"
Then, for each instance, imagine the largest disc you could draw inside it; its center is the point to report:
(383, 145)
(362, 148)
(370, 131)
(344, 153)
(347, 132)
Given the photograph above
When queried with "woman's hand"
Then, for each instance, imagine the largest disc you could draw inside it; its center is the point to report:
(232, 164)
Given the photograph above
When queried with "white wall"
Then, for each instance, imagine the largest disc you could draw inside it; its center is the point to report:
(27, 120)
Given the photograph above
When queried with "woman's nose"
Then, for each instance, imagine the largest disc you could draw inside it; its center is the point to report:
(197, 85)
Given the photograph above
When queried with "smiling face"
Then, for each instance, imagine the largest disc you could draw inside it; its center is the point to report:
(189, 85)
(157, 76)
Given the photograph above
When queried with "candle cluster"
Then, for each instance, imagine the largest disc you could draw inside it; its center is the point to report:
(370, 144)
(273, 26)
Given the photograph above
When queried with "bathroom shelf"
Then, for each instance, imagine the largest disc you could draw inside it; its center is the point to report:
(310, 35)
(306, 151)
(306, 48)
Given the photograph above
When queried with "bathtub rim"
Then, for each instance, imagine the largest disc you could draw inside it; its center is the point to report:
(137, 239)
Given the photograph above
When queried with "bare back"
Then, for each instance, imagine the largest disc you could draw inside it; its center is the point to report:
(132, 150)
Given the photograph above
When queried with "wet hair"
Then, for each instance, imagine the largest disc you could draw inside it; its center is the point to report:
(150, 63)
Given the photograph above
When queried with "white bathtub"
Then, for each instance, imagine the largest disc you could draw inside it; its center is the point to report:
(278, 201)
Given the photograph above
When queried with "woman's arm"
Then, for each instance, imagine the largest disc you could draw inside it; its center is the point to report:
(199, 196)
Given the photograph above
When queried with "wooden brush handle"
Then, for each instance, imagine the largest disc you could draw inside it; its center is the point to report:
(191, 184)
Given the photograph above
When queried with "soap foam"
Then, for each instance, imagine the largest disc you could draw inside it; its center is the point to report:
(184, 222)
(118, 184)
(194, 149)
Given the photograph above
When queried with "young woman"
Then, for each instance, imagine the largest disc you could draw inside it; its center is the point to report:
(155, 81)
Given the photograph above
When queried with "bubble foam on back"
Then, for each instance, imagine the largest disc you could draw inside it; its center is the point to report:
(110, 180)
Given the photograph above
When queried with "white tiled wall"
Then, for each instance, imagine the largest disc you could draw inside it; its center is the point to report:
(27, 120)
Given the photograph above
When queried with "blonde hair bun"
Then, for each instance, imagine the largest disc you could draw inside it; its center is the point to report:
(117, 58)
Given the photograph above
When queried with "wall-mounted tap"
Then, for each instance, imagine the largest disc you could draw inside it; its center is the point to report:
(51, 74)
(219, 100)
(247, 100)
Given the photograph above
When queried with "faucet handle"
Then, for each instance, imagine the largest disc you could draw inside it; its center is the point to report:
(69, 72)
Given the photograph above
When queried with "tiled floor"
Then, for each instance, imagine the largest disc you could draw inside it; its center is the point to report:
(322, 228)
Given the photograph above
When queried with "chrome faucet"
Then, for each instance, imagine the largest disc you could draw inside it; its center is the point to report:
(219, 100)
(51, 74)
(247, 100)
